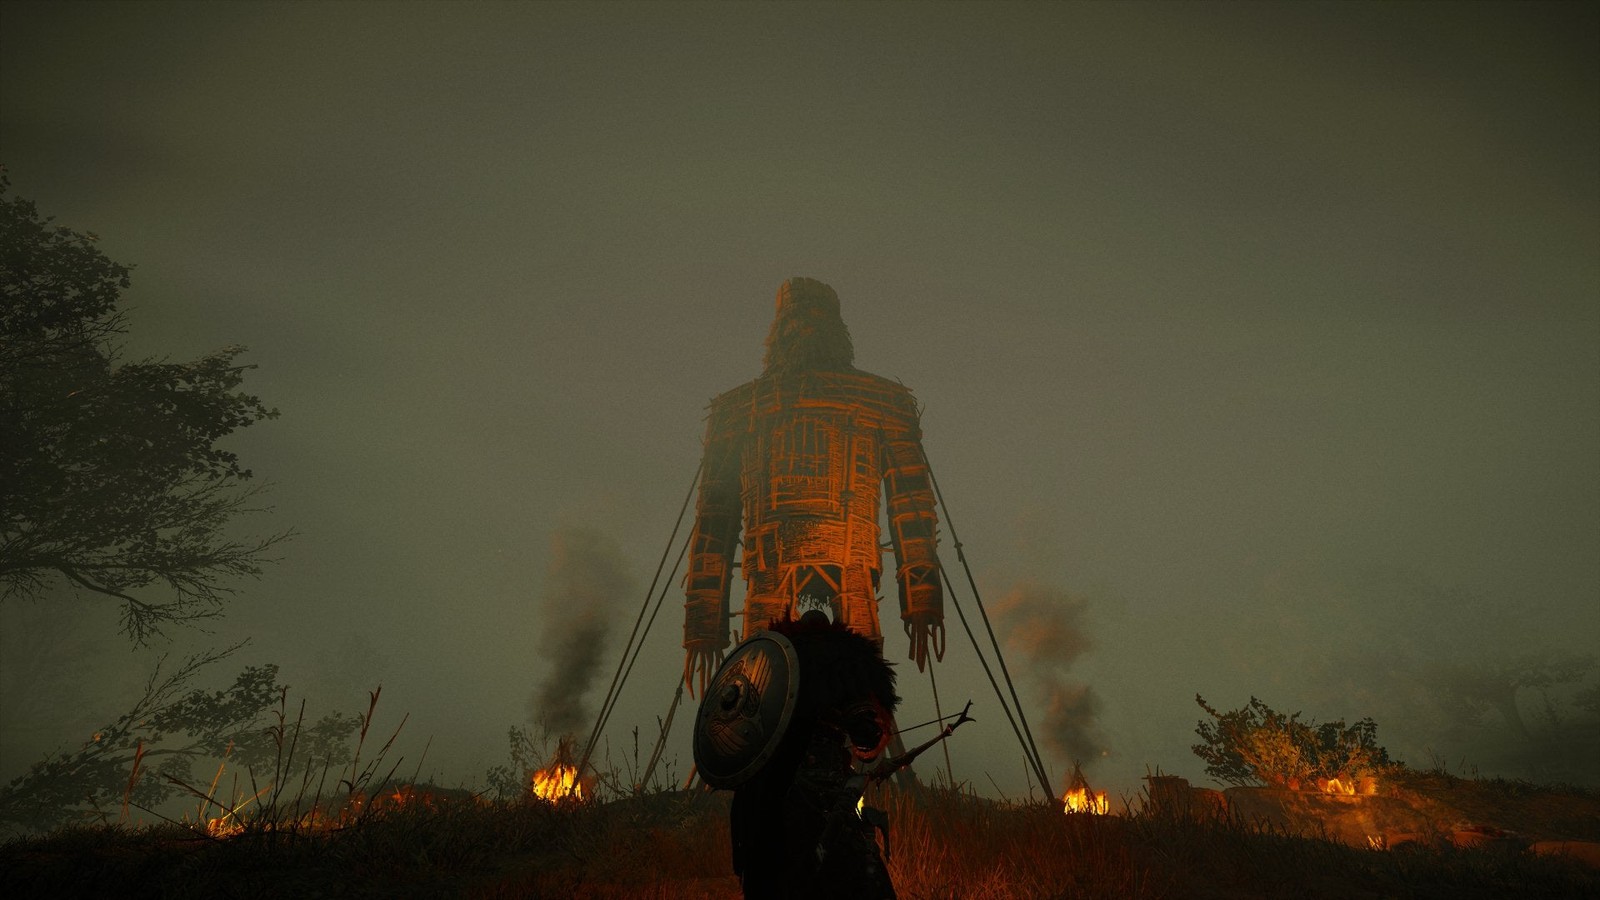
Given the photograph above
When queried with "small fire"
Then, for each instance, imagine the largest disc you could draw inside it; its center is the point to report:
(1364, 785)
(1082, 800)
(1336, 786)
(557, 782)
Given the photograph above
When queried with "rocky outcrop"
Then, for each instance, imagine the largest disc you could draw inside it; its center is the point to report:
(1175, 796)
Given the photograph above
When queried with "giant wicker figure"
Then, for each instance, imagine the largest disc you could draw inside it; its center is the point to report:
(800, 454)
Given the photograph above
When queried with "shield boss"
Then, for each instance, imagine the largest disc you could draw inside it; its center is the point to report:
(746, 710)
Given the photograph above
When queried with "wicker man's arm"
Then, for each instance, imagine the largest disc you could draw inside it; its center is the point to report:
(711, 548)
(914, 529)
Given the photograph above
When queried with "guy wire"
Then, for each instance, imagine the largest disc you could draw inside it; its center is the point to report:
(611, 691)
(1032, 748)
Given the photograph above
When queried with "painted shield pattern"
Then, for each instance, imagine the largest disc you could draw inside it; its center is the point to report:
(746, 710)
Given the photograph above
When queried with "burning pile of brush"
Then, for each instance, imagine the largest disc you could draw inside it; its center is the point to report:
(1080, 798)
(559, 781)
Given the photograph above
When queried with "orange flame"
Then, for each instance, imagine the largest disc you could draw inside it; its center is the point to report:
(1364, 785)
(1081, 800)
(556, 783)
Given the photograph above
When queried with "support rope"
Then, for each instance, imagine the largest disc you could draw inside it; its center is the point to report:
(637, 649)
(616, 678)
(606, 715)
(1030, 747)
(661, 741)
(1000, 695)
(949, 772)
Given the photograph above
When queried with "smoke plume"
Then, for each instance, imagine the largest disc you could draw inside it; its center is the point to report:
(585, 589)
(1045, 632)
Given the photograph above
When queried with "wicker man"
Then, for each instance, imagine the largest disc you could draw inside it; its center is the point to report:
(797, 457)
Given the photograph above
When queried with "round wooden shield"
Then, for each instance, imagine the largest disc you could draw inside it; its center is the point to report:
(746, 710)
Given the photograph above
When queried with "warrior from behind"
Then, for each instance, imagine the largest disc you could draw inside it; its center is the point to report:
(797, 826)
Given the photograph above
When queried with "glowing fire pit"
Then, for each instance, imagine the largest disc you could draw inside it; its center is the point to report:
(556, 783)
(1348, 785)
(1082, 800)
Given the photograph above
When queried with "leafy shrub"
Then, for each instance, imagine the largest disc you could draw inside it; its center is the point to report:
(528, 753)
(148, 754)
(1258, 745)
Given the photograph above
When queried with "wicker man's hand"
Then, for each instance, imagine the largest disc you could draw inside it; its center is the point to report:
(926, 633)
(699, 666)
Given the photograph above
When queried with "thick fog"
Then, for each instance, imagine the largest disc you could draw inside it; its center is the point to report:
(1257, 344)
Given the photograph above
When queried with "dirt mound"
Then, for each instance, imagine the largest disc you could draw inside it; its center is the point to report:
(1413, 807)
(1352, 819)
(1535, 812)
(1430, 809)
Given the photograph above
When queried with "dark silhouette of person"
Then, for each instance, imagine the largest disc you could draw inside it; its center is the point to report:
(795, 825)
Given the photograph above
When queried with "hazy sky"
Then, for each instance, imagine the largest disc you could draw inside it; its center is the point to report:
(1259, 329)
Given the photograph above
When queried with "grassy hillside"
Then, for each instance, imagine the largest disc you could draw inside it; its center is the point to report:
(944, 844)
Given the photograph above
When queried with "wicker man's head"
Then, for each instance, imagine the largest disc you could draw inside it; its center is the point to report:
(808, 332)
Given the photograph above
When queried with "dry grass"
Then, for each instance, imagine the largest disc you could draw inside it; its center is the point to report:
(951, 844)
(674, 846)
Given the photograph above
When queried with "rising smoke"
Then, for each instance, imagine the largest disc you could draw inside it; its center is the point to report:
(1045, 633)
(585, 587)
